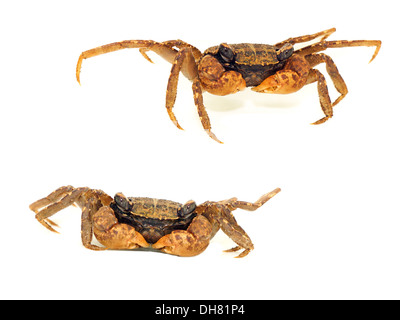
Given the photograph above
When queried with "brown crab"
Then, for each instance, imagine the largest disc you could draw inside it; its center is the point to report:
(131, 223)
(229, 68)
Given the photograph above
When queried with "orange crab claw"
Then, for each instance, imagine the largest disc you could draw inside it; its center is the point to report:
(216, 80)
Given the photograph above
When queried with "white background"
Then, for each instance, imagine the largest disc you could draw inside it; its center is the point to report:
(333, 231)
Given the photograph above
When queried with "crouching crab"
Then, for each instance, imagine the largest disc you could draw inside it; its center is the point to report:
(131, 222)
(229, 68)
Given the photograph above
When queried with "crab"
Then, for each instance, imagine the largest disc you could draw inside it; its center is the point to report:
(229, 68)
(136, 222)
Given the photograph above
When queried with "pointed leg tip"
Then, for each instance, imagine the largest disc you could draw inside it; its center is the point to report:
(213, 136)
(372, 59)
(53, 230)
(243, 254)
(173, 119)
(320, 121)
(95, 248)
(52, 223)
(234, 249)
(144, 54)
(378, 48)
(47, 225)
(149, 60)
(177, 125)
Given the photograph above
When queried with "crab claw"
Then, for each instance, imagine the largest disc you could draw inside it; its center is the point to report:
(269, 85)
(216, 80)
(283, 82)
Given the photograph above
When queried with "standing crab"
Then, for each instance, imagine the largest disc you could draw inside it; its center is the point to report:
(229, 68)
(130, 223)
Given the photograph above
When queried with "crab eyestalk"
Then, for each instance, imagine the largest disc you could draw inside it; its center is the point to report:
(226, 52)
(187, 208)
(285, 52)
(122, 202)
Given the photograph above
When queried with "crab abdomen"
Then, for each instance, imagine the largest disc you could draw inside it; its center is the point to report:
(153, 229)
(253, 75)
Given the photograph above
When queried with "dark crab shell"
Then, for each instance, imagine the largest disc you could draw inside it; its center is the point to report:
(255, 62)
(153, 218)
(250, 53)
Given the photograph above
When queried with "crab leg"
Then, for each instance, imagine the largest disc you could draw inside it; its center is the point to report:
(66, 200)
(88, 211)
(164, 51)
(174, 43)
(66, 196)
(340, 85)
(185, 60)
(231, 228)
(52, 197)
(198, 100)
(250, 206)
(324, 34)
(325, 101)
(183, 56)
(323, 45)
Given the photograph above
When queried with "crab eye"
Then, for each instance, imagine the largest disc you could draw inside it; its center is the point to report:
(285, 52)
(122, 202)
(187, 208)
(226, 52)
